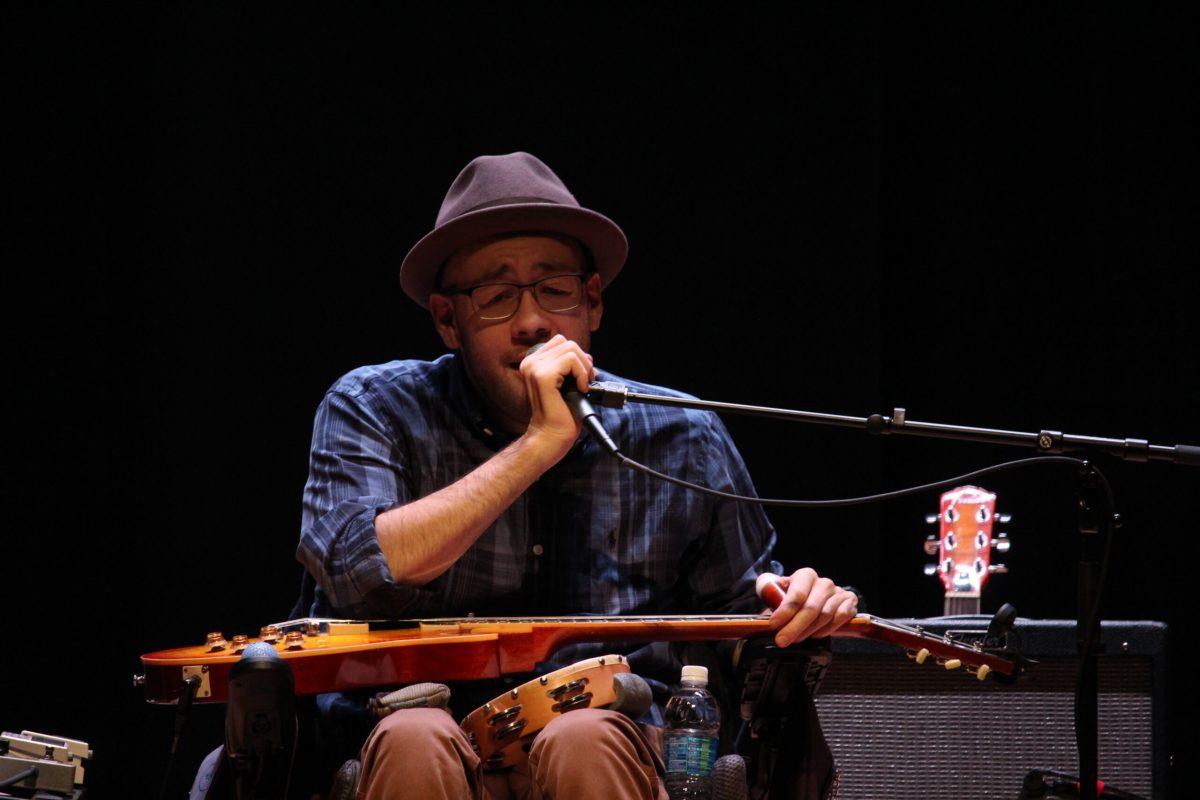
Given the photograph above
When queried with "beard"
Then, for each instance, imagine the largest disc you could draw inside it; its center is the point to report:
(501, 391)
(499, 383)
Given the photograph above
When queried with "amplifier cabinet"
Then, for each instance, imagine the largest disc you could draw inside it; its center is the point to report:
(901, 730)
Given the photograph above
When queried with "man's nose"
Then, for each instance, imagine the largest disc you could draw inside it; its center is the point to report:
(530, 321)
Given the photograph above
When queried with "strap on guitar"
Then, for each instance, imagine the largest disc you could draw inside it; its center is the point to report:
(779, 718)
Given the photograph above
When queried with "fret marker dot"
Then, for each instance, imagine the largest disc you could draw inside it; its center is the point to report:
(538, 550)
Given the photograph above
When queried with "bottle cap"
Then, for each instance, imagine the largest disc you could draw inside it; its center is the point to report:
(693, 672)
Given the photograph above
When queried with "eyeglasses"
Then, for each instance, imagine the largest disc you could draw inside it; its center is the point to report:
(499, 301)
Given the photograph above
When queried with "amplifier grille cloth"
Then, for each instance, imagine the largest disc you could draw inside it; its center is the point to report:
(901, 730)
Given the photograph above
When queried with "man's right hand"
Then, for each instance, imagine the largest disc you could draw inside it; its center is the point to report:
(552, 427)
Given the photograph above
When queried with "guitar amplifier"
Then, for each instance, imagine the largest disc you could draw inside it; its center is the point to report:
(899, 730)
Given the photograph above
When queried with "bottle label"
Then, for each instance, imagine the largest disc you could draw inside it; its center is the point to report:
(691, 755)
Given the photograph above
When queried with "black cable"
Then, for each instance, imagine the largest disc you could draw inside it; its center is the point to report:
(187, 693)
(850, 501)
(1109, 524)
(13, 780)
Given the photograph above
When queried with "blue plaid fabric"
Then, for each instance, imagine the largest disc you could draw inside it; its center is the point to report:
(590, 537)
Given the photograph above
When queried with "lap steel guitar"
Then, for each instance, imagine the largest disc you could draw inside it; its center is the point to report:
(328, 655)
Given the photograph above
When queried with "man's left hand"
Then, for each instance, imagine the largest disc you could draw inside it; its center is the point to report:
(812, 607)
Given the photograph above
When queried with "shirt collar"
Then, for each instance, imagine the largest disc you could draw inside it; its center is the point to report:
(465, 401)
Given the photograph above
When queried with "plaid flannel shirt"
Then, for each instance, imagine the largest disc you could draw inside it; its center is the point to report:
(589, 537)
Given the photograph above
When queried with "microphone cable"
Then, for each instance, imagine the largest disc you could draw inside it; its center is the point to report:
(853, 501)
(1109, 520)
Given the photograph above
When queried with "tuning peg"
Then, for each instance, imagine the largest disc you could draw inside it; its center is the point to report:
(921, 655)
(997, 569)
(931, 569)
(1003, 519)
(952, 663)
(931, 545)
(1001, 543)
(983, 671)
(931, 519)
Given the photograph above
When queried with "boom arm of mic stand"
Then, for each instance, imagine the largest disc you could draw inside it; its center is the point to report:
(1091, 577)
(614, 395)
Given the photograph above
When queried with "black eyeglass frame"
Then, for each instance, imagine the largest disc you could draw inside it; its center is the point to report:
(521, 287)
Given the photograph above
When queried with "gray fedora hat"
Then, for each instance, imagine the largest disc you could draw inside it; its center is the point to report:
(495, 195)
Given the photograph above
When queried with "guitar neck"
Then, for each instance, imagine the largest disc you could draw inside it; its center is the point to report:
(962, 603)
(544, 635)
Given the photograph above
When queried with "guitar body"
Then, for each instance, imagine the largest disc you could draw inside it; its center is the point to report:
(340, 655)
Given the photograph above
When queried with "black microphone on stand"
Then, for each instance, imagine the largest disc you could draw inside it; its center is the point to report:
(581, 409)
(261, 731)
(1048, 784)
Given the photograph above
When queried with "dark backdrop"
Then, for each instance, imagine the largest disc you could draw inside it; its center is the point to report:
(985, 214)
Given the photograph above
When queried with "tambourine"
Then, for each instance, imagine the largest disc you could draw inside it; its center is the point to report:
(502, 731)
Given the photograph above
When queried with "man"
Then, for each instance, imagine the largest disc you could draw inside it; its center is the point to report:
(463, 485)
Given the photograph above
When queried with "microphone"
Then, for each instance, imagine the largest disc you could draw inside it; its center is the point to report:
(260, 724)
(1052, 785)
(634, 697)
(583, 412)
(729, 778)
(581, 409)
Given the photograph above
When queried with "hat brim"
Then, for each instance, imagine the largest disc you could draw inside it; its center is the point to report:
(596, 232)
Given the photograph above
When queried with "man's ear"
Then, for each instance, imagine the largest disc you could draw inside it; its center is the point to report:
(595, 304)
(441, 308)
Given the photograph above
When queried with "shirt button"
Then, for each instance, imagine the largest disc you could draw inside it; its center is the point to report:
(538, 550)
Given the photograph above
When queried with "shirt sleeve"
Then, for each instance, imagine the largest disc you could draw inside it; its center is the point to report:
(356, 472)
(740, 538)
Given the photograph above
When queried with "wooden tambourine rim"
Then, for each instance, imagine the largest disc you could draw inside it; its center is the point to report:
(537, 708)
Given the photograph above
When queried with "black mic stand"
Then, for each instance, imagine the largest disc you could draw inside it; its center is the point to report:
(1096, 514)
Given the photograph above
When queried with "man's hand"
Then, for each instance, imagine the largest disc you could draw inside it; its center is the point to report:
(557, 361)
(812, 607)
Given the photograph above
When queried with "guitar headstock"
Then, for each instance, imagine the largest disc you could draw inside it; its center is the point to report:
(964, 546)
(984, 654)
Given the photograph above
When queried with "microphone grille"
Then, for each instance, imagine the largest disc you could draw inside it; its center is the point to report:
(729, 778)
(260, 651)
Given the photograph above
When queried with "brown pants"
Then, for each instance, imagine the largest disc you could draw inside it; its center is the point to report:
(589, 753)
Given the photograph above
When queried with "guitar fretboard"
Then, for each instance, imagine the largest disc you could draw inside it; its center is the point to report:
(324, 624)
(586, 620)
(957, 605)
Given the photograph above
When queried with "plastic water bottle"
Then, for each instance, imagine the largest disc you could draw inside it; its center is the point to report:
(691, 736)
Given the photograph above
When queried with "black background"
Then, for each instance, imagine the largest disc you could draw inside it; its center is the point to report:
(986, 214)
